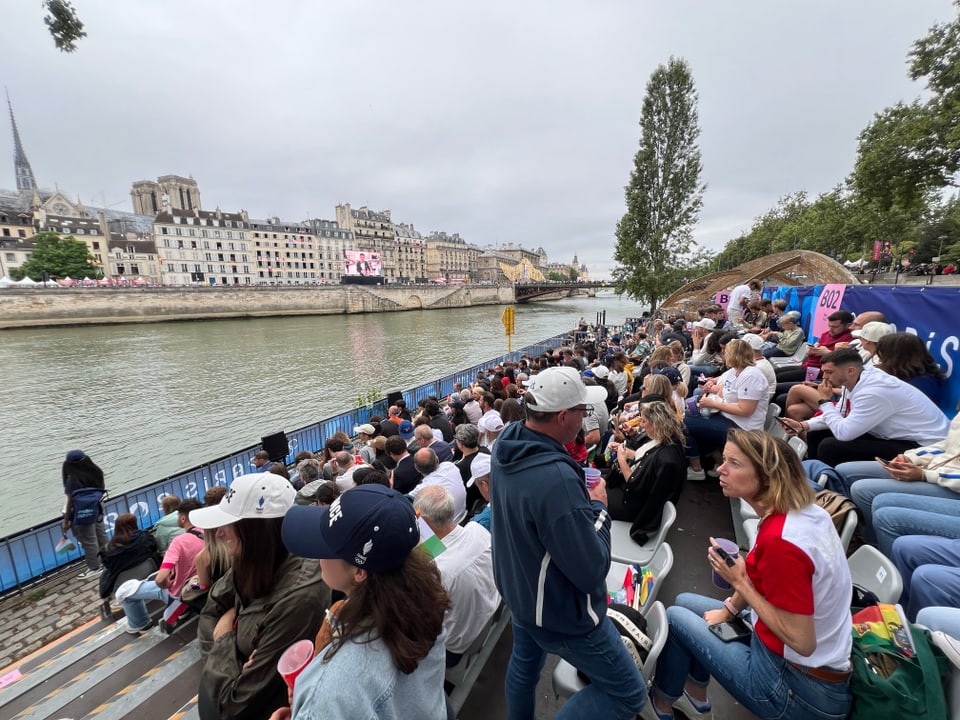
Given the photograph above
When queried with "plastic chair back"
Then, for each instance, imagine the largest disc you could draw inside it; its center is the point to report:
(624, 549)
(872, 570)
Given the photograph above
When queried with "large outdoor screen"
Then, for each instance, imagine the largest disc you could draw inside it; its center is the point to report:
(361, 263)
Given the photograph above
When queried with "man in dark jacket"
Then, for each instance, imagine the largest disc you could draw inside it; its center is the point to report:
(551, 555)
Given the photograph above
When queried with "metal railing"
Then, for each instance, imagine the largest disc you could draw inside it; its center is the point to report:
(30, 554)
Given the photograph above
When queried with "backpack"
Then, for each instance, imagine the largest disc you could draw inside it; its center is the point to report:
(632, 626)
(86, 505)
(837, 507)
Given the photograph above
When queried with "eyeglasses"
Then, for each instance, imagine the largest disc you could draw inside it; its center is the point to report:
(586, 409)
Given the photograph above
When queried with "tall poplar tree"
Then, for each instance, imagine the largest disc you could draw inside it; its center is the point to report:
(664, 195)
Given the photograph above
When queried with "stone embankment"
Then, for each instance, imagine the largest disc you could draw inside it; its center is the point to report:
(22, 308)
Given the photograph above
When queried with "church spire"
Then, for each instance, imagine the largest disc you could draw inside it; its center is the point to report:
(21, 166)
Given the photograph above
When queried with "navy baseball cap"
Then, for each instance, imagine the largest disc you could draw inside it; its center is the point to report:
(406, 429)
(671, 374)
(372, 527)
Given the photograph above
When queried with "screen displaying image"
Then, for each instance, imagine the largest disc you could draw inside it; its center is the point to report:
(361, 263)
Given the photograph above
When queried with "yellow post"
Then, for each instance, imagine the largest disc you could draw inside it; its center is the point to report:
(507, 320)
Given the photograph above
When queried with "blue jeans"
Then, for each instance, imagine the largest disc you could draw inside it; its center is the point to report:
(135, 606)
(944, 619)
(706, 434)
(865, 491)
(896, 514)
(930, 568)
(616, 690)
(764, 683)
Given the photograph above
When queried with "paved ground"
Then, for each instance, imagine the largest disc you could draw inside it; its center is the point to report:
(64, 603)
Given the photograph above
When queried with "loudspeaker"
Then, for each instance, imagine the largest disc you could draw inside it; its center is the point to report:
(393, 396)
(276, 445)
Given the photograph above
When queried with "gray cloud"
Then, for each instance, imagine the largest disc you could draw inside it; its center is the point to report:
(505, 122)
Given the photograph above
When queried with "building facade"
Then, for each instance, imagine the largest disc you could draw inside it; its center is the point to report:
(332, 239)
(450, 257)
(203, 247)
(373, 231)
(411, 255)
(151, 196)
(285, 253)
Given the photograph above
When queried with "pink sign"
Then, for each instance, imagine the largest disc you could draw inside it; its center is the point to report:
(9, 678)
(828, 303)
(722, 299)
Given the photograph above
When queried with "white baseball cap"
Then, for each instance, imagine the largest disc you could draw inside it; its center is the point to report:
(705, 323)
(753, 340)
(257, 495)
(873, 331)
(479, 467)
(560, 388)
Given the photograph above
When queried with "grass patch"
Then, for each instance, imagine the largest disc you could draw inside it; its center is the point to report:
(37, 595)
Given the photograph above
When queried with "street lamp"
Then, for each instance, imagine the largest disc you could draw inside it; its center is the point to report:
(940, 251)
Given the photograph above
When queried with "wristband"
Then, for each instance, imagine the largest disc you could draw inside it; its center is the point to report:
(728, 604)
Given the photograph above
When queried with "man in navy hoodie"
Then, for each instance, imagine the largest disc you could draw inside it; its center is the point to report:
(551, 554)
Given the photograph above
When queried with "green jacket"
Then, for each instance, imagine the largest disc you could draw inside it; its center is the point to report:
(293, 611)
(166, 530)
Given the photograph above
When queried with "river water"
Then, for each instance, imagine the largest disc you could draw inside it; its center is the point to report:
(145, 401)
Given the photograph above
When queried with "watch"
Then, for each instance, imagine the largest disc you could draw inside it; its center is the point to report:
(827, 401)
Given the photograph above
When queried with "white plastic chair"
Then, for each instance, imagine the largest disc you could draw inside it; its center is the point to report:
(566, 682)
(624, 549)
(799, 446)
(750, 528)
(773, 412)
(849, 528)
(872, 570)
(660, 565)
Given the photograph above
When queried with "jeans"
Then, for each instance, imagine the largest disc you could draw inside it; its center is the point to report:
(93, 539)
(896, 514)
(944, 619)
(135, 606)
(764, 683)
(616, 690)
(930, 568)
(706, 433)
(866, 489)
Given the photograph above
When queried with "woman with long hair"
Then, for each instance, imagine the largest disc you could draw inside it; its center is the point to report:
(655, 471)
(904, 356)
(265, 602)
(795, 662)
(83, 513)
(381, 651)
(130, 553)
(739, 400)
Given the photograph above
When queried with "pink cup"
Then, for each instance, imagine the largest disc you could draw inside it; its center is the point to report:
(813, 374)
(294, 659)
(592, 476)
(732, 550)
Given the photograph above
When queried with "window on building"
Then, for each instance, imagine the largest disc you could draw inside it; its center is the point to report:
(120, 270)
(10, 257)
(6, 232)
(134, 269)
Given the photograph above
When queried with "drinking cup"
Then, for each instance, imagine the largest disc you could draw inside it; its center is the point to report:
(732, 550)
(294, 659)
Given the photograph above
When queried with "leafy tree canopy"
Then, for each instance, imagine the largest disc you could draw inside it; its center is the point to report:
(664, 195)
(63, 23)
(57, 256)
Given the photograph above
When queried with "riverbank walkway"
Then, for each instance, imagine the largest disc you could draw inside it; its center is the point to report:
(59, 660)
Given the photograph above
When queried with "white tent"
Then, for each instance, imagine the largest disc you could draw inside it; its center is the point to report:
(51, 283)
(5, 282)
(27, 282)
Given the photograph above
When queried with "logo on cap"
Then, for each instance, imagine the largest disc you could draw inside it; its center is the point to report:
(335, 512)
(230, 493)
(260, 504)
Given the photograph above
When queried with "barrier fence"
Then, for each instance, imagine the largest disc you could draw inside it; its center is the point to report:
(30, 554)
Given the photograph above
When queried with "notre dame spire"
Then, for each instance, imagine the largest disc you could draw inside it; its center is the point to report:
(25, 179)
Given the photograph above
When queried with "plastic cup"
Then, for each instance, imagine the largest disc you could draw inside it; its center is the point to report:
(592, 476)
(732, 550)
(813, 374)
(294, 659)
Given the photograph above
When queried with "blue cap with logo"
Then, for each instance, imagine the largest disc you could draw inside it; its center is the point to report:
(372, 527)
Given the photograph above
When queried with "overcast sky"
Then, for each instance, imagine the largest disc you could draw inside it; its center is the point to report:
(503, 121)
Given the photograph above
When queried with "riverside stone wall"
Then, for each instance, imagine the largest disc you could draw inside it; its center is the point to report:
(21, 308)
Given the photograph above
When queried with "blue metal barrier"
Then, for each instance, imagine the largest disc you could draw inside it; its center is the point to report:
(31, 554)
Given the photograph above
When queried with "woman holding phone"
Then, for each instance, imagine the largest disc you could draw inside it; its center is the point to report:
(796, 661)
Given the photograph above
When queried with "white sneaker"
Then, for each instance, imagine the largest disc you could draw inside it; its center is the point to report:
(696, 475)
(948, 645)
(88, 574)
(126, 589)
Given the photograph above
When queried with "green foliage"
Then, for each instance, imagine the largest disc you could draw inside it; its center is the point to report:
(369, 396)
(57, 256)
(64, 24)
(574, 274)
(664, 195)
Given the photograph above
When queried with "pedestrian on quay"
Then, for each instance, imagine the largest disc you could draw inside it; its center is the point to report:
(83, 512)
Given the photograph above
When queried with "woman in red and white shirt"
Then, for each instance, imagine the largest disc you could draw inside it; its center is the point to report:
(795, 581)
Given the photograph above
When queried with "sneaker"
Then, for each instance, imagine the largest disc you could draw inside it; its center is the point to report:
(696, 475)
(126, 589)
(89, 574)
(712, 473)
(693, 709)
(136, 631)
(948, 645)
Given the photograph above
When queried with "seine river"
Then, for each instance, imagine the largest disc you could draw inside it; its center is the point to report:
(145, 401)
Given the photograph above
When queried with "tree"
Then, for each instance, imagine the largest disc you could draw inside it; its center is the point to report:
(64, 24)
(664, 195)
(56, 256)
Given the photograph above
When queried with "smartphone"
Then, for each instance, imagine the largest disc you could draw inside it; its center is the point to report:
(724, 555)
(735, 630)
(885, 463)
(783, 423)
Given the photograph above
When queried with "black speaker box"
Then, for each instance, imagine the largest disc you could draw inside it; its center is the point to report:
(393, 396)
(276, 445)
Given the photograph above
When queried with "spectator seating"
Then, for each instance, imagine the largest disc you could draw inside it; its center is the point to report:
(799, 355)
(565, 679)
(799, 445)
(624, 549)
(773, 412)
(872, 570)
(464, 674)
